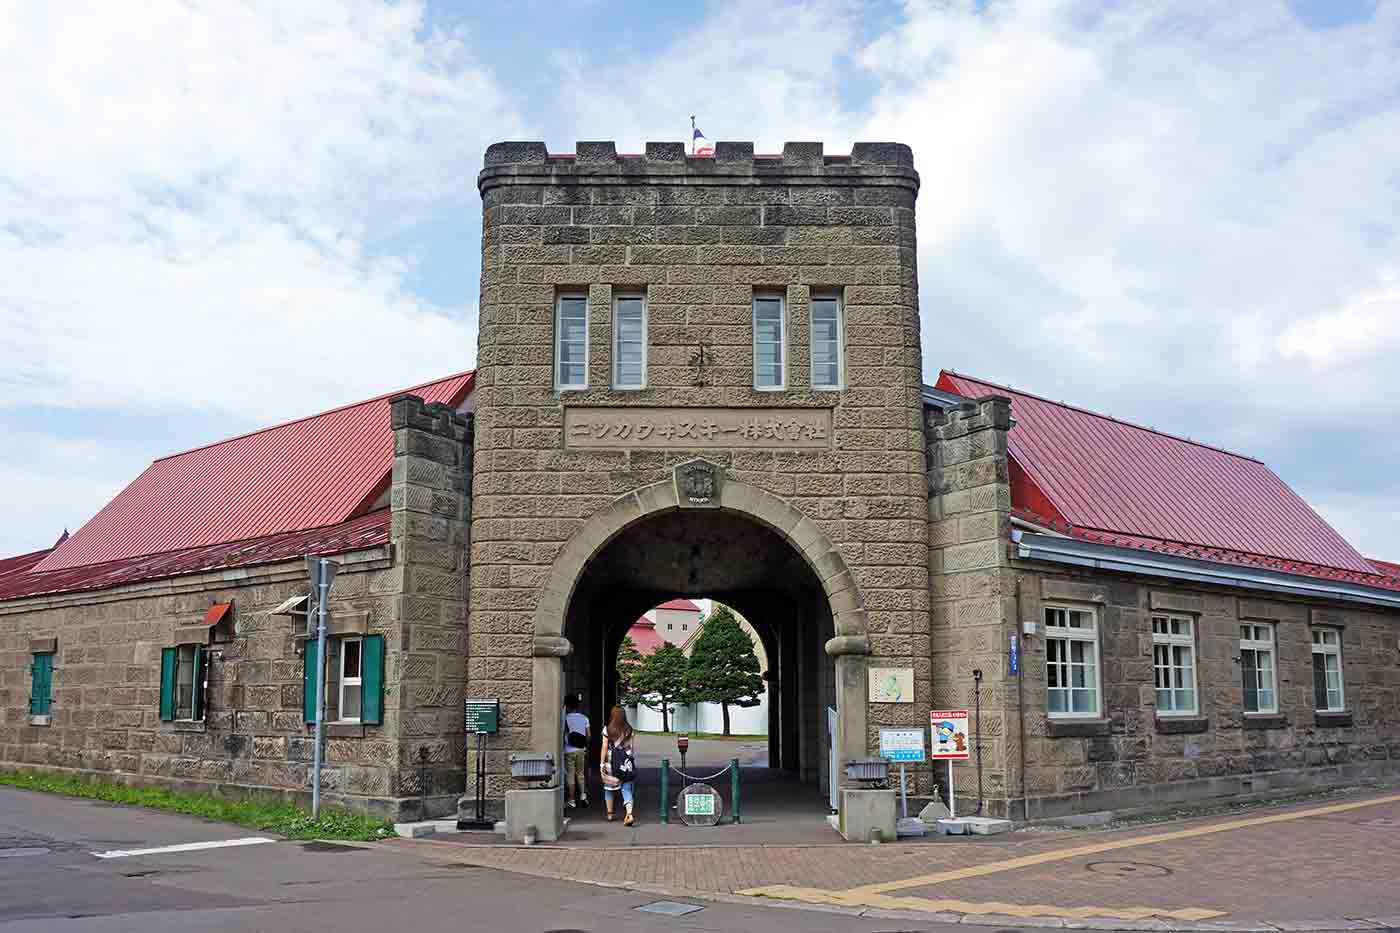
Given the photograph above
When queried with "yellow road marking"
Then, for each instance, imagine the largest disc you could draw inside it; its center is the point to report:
(1026, 861)
(856, 898)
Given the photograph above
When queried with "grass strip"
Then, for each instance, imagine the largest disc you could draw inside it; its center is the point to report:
(267, 814)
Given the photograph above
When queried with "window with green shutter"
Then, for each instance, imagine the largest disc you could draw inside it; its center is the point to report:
(41, 685)
(357, 694)
(183, 670)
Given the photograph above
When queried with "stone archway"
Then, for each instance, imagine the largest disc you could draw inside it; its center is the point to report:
(698, 484)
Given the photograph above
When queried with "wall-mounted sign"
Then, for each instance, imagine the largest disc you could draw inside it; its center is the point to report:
(948, 729)
(1015, 656)
(482, 717)
(902, 744)
(891, 685)
(696, 428)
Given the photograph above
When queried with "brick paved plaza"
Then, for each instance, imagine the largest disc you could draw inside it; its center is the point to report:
(1308, 864)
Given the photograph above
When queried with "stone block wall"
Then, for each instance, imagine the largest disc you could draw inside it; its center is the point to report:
(696, 237)
(971, 588)
(106, 684)
(430, 530)
(1137, 759)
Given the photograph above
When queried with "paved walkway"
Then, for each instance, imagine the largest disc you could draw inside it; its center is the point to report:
(1329, 863)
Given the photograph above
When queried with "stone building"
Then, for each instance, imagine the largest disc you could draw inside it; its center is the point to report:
(702, 377)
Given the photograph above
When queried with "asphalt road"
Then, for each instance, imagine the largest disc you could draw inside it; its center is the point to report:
(51, 881)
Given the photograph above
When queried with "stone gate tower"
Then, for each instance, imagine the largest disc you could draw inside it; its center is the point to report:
(698, 377)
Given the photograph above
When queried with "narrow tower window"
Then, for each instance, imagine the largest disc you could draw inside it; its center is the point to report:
(768, 340)
(826, 342)
(630, 342)
(571, 342)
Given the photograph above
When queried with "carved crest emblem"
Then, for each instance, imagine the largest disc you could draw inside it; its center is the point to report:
(697, 483)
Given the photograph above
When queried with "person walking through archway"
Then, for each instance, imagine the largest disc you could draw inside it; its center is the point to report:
(577, 733)
(618, 765)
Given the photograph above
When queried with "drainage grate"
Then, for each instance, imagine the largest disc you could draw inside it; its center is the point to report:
(669, 908)
(319, 846)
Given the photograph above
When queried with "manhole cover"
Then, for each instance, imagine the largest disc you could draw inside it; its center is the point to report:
(670, 908)
(1382, 822)
(1128, 869)
(22, 851)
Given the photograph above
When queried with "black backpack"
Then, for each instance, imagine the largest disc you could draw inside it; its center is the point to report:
(620, 762)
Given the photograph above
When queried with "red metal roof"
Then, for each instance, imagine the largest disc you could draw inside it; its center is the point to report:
(308, 473)
(1101, 474)
(644, 635)
(19, 578)
(684, 605)
(1385, 568)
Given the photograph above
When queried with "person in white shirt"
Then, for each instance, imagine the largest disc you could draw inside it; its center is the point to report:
(577, 734)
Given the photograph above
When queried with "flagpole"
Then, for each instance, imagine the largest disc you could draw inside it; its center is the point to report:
(692, 134)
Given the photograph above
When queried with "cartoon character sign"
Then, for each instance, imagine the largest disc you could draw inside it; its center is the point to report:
(949, 731)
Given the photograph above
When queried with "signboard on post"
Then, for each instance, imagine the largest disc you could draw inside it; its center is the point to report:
(902, 745)
(948, 731)
(482, 717)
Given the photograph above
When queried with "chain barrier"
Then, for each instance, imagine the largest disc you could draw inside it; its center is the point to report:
(693, 779)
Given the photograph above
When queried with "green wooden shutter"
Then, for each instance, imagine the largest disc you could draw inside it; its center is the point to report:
(167, 683)
(197, 688)
(308, 681)
(372, 678)
(41, 685)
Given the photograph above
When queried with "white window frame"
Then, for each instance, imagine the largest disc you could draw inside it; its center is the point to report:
(1054, 631)
(1251, 641)
(781, 299)
(1175, 642)
(840, 383)
(559, 383)
(617, 338)
(1328, 648)
(184, 711)
(344, 681)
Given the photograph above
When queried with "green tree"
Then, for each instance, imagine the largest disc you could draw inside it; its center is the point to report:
(629, 663)
(662, 679)
(723, 666)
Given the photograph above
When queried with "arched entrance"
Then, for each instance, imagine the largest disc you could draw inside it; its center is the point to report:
(736, 543)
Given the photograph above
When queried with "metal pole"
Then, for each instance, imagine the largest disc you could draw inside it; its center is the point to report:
(952, 804)
(322, 590)
(665, 790)
(734, 788)
(903, 794)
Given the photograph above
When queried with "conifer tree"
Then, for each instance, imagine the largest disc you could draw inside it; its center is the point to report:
(662, 679)
(629, 663)
(723, 666)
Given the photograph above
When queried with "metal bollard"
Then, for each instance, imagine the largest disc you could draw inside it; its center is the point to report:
(665, 790)
(734, 786)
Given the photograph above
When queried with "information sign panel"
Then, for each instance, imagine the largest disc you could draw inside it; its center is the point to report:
(902, 744)
(482, 717)
(948, 728)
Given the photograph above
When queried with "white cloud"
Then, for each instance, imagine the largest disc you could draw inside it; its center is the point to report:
(190, 219)
(54, 483)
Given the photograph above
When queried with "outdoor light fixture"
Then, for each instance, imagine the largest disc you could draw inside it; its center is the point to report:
(532, 766)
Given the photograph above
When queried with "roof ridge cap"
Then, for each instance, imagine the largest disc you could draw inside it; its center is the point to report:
(329, 411)
(1099, 414)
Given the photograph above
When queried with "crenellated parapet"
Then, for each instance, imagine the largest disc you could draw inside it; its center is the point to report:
(872, 163)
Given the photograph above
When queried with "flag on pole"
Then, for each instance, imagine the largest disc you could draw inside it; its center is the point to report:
(699, 145)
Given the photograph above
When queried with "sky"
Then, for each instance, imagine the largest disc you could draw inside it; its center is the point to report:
(220, 215)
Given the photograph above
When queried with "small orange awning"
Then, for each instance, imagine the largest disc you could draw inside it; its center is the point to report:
(216, 613)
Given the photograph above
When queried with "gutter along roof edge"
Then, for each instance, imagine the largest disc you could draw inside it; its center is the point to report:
(1036, 546)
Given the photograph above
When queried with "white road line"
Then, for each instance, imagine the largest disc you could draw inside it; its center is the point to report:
(185, 847)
